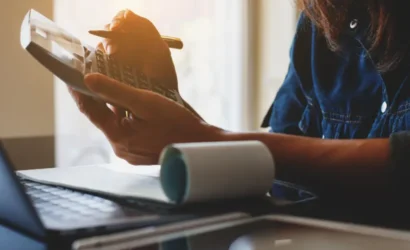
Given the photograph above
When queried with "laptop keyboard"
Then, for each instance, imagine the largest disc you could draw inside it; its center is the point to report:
(64, 204)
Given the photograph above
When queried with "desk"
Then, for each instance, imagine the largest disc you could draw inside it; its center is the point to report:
(378, 214)
(10, 239)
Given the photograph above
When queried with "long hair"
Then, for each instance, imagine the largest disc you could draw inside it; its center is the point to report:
(384, 39)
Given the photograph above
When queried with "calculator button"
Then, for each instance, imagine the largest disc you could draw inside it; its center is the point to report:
(128, 76)
(158, 89)
(143, 82)
(129, 80)
(99, 53)
(127, 69)
(88, 65)
(114, 69)
(101, 68)
(171, 95)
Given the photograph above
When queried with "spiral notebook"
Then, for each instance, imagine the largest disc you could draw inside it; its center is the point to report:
(187, 173)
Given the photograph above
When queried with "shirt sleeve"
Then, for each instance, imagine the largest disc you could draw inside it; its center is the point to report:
(287, 108)
(290, 102)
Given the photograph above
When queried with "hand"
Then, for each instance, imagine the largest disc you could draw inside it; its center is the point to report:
(144, 49)
(156, 121)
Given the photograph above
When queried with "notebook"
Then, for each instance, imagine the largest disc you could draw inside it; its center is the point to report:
(186, 173)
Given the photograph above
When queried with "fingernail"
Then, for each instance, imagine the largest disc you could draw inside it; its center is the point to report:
(115, 24)
(87, 77)
(111, 49)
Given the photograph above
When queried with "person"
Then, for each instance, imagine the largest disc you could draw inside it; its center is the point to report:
(337, 123)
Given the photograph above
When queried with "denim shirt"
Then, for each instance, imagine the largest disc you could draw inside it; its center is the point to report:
(334, 95)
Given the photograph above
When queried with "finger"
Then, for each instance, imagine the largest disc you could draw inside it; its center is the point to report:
(97, 112)
(141, 103)
(136, 157)
(131, 17)
(101, 45)
(142, 160)
(118, 20)
(105, 43)
(125, 17)
(128, 20)
(143, 37)
(120, 112)
(110, 46)
(139, 160)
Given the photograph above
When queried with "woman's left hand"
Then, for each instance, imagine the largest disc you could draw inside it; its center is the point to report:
(155, 123)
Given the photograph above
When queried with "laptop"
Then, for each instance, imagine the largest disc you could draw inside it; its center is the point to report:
(46, 212)
(258, 233)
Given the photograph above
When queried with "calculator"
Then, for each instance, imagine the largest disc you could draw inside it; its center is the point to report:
(70, 59)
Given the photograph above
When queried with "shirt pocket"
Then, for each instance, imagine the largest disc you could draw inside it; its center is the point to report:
(345, 126)
(316, 123)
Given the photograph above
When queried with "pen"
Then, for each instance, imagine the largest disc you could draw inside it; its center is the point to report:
(172, 42)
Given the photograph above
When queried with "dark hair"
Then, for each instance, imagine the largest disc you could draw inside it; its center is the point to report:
(384, 39)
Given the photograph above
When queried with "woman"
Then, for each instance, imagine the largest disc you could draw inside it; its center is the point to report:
(347, 80)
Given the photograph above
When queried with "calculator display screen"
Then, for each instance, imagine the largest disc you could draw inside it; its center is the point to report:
(58, 42)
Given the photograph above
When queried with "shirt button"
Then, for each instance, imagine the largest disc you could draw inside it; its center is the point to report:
(353, 24)
(384, 107)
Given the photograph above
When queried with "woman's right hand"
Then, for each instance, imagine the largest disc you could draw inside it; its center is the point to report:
(144, 49)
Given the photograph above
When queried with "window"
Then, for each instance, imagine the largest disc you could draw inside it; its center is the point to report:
(211, 68)
(235, 58)
(276, 25)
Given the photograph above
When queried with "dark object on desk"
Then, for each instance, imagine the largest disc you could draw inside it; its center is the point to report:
(34, 152)
(173, 42)
(265, 232)
(45, 212)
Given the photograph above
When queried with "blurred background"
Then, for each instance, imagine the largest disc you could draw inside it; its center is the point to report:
(235, 58)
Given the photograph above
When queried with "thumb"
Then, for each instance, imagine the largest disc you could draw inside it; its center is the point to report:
(119, 94)
(118, 21)
(123, 17)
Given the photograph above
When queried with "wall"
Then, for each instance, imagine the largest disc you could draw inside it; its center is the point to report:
(26, 88)
(275, 31)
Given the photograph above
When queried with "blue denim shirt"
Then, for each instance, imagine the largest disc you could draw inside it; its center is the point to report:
(338, 95)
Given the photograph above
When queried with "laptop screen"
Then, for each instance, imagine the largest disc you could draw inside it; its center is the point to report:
(15, 208)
